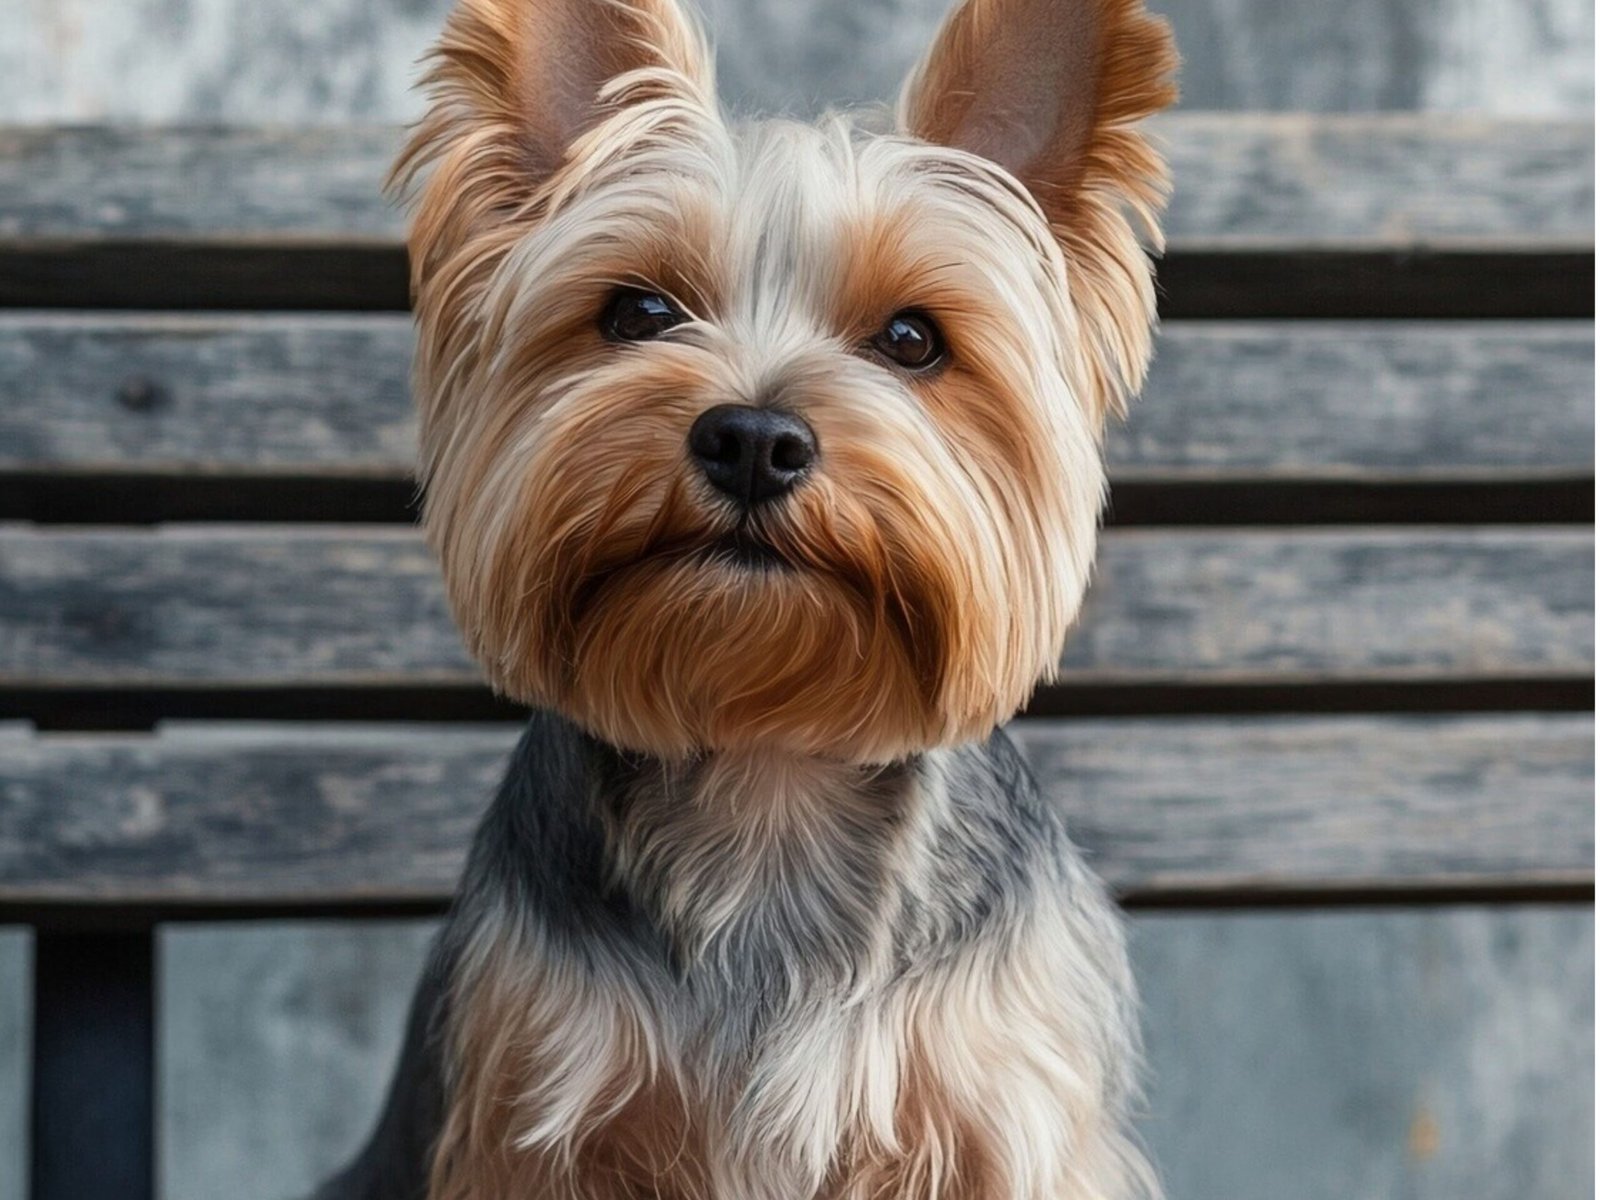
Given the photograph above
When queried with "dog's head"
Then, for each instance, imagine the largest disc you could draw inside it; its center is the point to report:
(774, 433)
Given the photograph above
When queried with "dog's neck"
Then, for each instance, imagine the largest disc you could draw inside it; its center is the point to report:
(741, 856)
(756, 881)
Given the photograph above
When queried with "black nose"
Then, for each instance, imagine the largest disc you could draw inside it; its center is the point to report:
(752, 454)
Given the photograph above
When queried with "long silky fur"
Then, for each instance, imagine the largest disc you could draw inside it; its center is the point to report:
(900, 983)
(765, 908)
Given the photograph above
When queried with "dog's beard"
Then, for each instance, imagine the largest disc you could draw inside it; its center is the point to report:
(678, 626)
(707, 652)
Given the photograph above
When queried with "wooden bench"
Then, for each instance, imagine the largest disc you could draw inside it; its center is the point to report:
(1340, 647)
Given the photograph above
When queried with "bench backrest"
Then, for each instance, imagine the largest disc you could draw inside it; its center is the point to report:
(1340, 645)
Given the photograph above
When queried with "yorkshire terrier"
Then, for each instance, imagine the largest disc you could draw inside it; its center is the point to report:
(764, 459)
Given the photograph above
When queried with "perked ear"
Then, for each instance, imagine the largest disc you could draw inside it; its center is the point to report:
(1050, 90)
(514, 84)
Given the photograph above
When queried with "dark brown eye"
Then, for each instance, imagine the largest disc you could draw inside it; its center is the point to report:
(910, 340)
(633, 315)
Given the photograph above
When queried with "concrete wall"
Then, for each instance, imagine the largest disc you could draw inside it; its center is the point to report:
(344, 60)
(1441, 1054)
(15, 1015)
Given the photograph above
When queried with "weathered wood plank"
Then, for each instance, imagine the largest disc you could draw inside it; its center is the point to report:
(1358, 400)
(1354, 803)
(1257, 606)
(1443, 1054)
(142, 61)
(1385, 182)
(301, 395)
(328, 396)
(335, 606)
(1377, 181)
(274, 814)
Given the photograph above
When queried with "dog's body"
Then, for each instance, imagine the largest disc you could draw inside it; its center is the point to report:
(908, 986)
(766, 459)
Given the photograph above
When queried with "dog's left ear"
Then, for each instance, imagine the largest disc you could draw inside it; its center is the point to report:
(1051, 90)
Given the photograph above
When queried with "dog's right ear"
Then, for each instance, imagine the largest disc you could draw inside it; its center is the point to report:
(513, 88)
(1053, 91)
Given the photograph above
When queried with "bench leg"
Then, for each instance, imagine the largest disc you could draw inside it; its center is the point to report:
(93, 1135)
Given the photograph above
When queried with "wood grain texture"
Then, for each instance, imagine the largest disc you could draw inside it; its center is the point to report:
(335, 606)
(265, 1097)
(345, 60)
(1358, 802)
(1363, 400)
(1442, 1054)
(1325, 604)
(1387, 182)
(309, 815)
(300, 395)
(328, 396)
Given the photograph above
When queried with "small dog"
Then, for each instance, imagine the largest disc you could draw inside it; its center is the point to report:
(765, 460)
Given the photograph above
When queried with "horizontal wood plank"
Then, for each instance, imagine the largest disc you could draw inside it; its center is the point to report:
(1392, 181)
(328, 396)
(1356, 802)
(335, 606)
(297, 815)
(1243, 606)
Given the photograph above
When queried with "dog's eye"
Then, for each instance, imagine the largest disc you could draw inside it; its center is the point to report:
(633, 315)
(911, 340)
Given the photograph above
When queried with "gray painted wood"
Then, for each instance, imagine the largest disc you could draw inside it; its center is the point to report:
(328, 395)
(303, 395)
(343, 60)
(1246, 181)
(215, 605)
(15, 1020)
(1257, 606)
(1389, 181)
(1437, 1054)
(1355, 400)
(1292, 803)
(301, 814)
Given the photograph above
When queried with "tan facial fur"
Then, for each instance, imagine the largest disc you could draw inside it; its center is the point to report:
(940, 547)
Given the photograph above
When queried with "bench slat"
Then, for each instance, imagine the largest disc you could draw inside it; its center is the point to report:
(338, 606)
(299, 815)
(1243, 181)
(328, 396)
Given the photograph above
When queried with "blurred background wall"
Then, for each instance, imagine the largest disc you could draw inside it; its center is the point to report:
(330, 61)
(1285, 1048)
